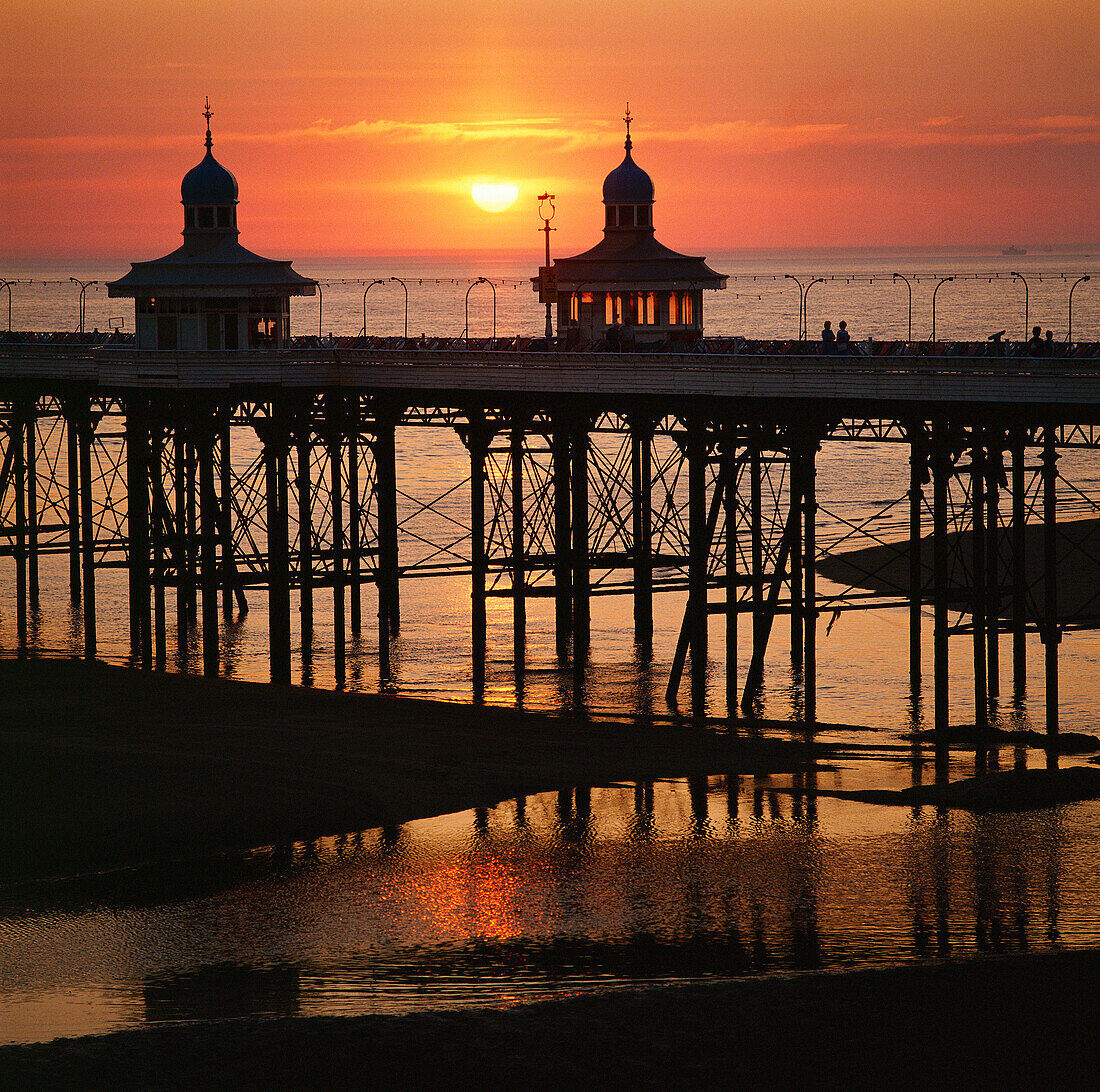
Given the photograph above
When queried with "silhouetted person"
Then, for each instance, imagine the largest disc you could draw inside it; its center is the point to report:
(828, 339)
(1035, 342)
(843, 339)
(1048, 343)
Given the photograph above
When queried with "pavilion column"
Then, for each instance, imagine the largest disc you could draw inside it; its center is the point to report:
(918, 475)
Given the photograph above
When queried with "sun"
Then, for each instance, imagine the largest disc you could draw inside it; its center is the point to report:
(494, 197)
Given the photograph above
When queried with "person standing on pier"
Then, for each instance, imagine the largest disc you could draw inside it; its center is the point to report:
(1035, 345)
(843, 339)
(828, 339)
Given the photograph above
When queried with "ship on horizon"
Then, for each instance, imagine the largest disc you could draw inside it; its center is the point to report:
(1014, 250)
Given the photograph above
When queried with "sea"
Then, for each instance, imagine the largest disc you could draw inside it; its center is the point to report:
(605, 886)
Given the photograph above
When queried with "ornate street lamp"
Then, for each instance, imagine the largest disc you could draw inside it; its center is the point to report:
(363, 332)
(805, 313)
(943, 280)
(801, 298)
(546, 201)
(480, 280)
(910, 287)
(1069, 334)
(84, 285)
(1025, 302)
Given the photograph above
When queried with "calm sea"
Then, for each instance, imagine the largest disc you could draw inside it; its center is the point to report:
(603, 886)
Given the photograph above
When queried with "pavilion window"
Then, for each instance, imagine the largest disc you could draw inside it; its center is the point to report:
(189, 217)
(643, 216)
(651, 308)
(206, 218)
(609, 216)
(687, 310)
(224, 217)
(673, 309)
(626, 216)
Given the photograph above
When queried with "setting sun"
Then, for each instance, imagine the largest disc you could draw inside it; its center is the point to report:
(495, 197)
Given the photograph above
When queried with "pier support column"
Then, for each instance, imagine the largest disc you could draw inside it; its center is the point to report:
(137, 530)
(275, 439)
(33, 584)
(519, 574)
(208, 551)
(809, 568)
(582, 606)
(336, 511)
(73, 498)
(355, 520)
(994, 473)
(17, 446)
(1019, 567)
(563, 569)
(641, 489)
(477, 443)
(85, 439)
(180, 546)
(942, 470)
(158, 525)
(756, 535)
(918, 475)
(1052, 634)
(698, 553)
(385, 476)
(304, 489)
(796, 467)
(728, 454)
(979, 605)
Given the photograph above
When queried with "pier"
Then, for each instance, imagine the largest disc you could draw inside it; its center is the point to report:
(211, 477)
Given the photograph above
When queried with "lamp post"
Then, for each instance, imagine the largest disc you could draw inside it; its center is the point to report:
(1069, 335)
(320, 309)
(480, 280)
(910, 287)
(84, 285)
(8, 284)
(363, 332)
(801, 299)
(1025, 302)
(943, 280)
(805, 314)
(546, 199)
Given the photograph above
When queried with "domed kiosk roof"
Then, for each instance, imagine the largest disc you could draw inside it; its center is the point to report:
(209, 183)
(628, 184)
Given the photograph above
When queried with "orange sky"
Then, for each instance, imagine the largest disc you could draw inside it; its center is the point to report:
(356, 128)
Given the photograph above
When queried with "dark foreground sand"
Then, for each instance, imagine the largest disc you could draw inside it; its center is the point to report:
(105, 767)
(1026, 1022)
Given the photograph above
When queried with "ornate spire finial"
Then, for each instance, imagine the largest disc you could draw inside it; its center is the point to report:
(628, 119)
(208, 114)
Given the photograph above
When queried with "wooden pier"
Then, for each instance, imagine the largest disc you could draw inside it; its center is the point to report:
(210, 477)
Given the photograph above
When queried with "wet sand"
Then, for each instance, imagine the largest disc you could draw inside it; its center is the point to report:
(107, 767)
(885, 569)
(1018, 1022)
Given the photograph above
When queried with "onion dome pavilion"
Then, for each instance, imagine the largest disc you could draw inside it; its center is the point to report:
(211, 293)
(629, 285)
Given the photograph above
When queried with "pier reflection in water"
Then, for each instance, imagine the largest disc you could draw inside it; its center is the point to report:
(578, 890)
